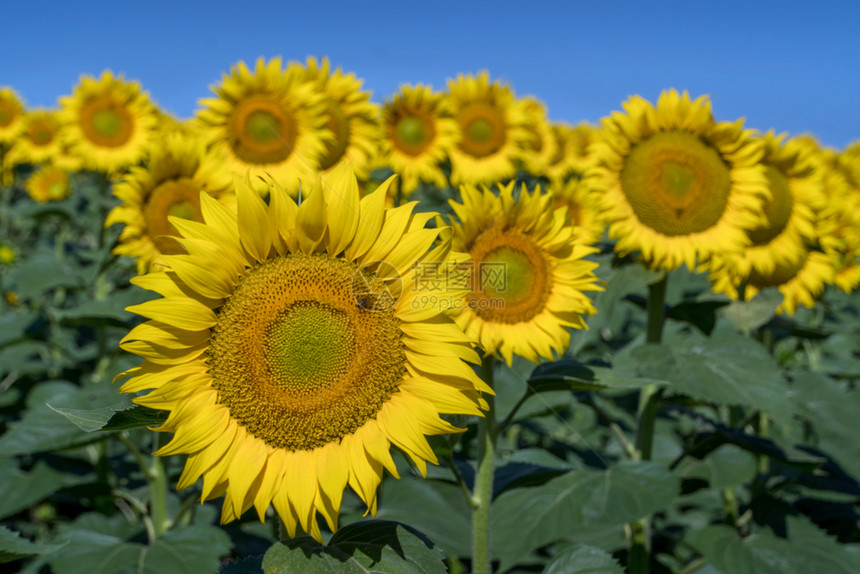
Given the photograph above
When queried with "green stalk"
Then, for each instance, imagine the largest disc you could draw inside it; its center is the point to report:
(649, 405)
(482, 494)
(157, 478)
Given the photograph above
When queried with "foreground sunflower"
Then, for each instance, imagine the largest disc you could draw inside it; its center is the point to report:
(292, 349)
(169, 185)
(492, 129)
(351, 117)
(419, 132)
(49, 184)
(268, 121)
(11, 115)
(527, 275)
(109, 122)
(675, 185)
(40, 139)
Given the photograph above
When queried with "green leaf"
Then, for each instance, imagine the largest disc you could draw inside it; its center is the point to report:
(566, 375)
(42, 273)
(20, 490)
(13, 547)
(726, 466)
(727, 369)
(528, 518)
(805, 550)
(372, 546)
(119, 416)
(13, 326)
(248, 565)
(750, 315)
(190, 550)
(438, 509)
(581, 559)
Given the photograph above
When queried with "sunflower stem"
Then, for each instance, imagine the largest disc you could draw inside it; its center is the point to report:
(649, 405)
(482, 495)
(157, 478)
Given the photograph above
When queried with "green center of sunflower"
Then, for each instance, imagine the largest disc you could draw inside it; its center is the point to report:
(173, 197)
(777, 210)
(107, 123)
(511, 282)
(262, 129)
(483, 129)
(309, 345)
(676, 183)
(297, 360)
(58, 190)
(411, 131)
(339, 126)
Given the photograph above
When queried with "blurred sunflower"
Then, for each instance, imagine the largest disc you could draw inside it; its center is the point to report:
(48, 183)
(39, 141)
(292, 350)
(839, 229)
(268, 121)
(527, 275)
(108, 122)
(572, 156)
(11, 115)
(542, 148)
(169, 185)
(419, 131)
(797, 194)
(492, 130)
(675, 185)
(582, 210)
(350, 116)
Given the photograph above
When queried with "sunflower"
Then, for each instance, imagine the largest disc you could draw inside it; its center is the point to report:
(39, 141)
(572, 156)
(675, 185)
(492, 130)
(350, 116)
(268, 121)
(795, 181)
(419, 132)
(11, 115)
(49, 183)
(581, 209)
(527, 275)
(169, 185)
(292, 349)
(108, 122)
(801, 280)
(543, 146)
(839, 230)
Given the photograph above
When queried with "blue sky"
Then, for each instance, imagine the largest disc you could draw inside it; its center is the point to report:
(788, 65)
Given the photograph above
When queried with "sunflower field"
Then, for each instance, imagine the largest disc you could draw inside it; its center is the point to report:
(232, 344)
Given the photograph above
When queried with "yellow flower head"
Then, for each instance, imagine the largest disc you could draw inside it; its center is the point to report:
(675, 185)
(39, 141)
(108, 122)
(169, 185)
(351, 117)
(492, 129)
(419, 132)
(527, 277)
(11, 115)
(49, 184)
(267, 121)
(292, 350)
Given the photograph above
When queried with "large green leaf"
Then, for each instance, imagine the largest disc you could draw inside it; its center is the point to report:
(725, 467)
(191, 550)
(727, 369)
(13, 326)
(527, 518)
(750, 315)
(805, 550)
(13, 547)
(20, 489)
(372, 546)
(121, 415)
(581, 559)
(437, 509)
